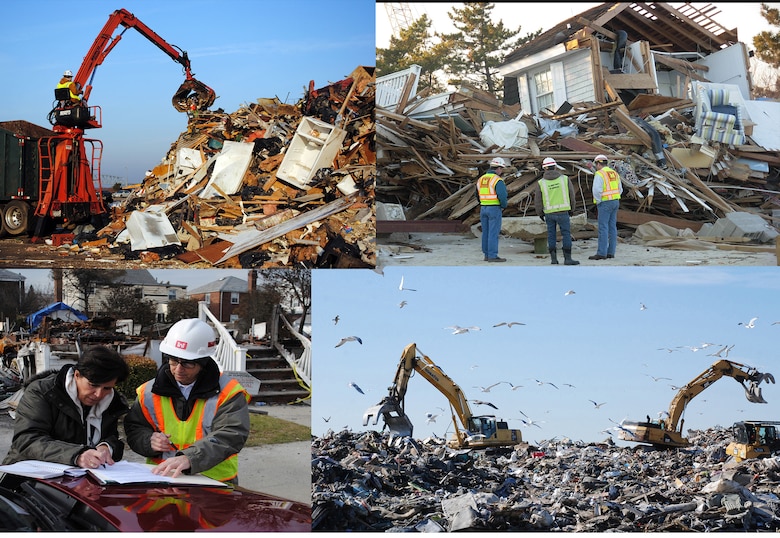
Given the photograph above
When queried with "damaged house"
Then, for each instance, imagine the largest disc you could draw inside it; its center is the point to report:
(665, 92)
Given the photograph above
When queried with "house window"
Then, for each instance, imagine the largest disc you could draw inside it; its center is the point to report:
(171, 295)
(234, 297)
(545, 97)
(233, 318)
(207, 298)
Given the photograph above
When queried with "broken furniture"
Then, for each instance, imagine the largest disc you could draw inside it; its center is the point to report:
(718, 114)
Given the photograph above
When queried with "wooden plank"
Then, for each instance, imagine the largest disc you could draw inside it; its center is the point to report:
(635, 81)
(622, 117)
(635, 219)
(420, 226)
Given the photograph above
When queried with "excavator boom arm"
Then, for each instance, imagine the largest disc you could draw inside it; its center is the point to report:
(748, 377)
(191, 92)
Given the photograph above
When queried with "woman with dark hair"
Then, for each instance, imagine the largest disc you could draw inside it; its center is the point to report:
(71, 416)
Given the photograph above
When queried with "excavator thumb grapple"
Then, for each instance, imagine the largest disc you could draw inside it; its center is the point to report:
(193, 95)
(393, 414)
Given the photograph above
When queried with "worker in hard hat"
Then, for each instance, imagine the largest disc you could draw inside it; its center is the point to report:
(67, 82)
(554, 202)
(190, 418)
(492, 196)
(607, 189)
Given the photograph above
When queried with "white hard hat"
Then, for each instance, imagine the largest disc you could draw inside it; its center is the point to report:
(548, 162)
(499, 162)
(189, 339)
(68, 73)
(600, 158)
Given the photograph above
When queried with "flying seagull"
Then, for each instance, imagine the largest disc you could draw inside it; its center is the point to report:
(544, 383)
(570, 292)
(430, 418)
(531, 423)
(514, 387)
(487, 389)
(456, 329)
(349, 339)
(401, 286)
(725, 349)
(642, 306)
(326, 419)
(750, 324)
(658, 378)
(354, 386)
(336, 320)
(509, 324)
(402, 304)
(480, 402)
(597, 404)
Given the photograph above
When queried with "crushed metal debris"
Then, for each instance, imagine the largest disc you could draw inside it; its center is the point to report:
(379, 482)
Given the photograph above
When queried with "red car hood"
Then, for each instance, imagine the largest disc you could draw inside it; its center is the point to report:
(141, 508)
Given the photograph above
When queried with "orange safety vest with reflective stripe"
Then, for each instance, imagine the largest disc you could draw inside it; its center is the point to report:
(73, 96)
(487, 189)
(555, 194)
(159, 412)
(611, 184)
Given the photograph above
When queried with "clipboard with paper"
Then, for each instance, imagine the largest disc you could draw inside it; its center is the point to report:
(127, 472)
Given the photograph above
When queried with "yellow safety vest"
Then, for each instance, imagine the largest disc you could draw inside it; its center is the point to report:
(487, 189)
(159, 411)
(73, 96)
(611, 184)
(555, 194)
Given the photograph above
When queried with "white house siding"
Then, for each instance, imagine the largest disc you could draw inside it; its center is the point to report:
(578, 76)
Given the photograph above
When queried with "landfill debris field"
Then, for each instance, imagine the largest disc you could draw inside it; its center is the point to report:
(370, 481)
(268, 185)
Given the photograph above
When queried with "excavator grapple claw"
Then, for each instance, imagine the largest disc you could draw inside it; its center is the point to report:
(193, 95)
(395, 419)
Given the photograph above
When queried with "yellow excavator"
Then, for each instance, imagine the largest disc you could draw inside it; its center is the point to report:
(474, 432)
(754, 439)
(667, 432)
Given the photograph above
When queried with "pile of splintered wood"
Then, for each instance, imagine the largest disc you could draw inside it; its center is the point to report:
(429, 164)
(263, 221)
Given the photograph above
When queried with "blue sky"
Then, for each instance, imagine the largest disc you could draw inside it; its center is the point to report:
(596, 339)
(243, 49)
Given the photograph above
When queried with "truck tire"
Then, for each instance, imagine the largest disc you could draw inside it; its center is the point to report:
(16, 217)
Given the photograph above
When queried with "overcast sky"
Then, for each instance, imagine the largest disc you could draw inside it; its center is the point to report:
(597, 339)
(243, 49)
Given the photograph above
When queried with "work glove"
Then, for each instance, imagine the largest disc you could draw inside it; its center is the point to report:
(541, 217)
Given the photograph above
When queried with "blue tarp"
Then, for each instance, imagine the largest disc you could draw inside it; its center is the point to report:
(35, 319)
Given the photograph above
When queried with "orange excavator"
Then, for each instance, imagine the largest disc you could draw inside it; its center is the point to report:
(69, 188)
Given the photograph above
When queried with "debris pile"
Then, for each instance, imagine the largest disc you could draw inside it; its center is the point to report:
(374, 482)
(269, 185)
(432, 149)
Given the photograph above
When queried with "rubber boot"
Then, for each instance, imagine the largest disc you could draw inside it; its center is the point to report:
(553, 257)
(567, 258)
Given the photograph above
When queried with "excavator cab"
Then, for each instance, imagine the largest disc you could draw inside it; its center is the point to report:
(393, 414)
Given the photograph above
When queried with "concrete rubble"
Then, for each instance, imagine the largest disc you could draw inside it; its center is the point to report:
(268, 185)
(368, 481)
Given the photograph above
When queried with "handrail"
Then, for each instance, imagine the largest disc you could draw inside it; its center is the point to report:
(228, 355)
(301, 365)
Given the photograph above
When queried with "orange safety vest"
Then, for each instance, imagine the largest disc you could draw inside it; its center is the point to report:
(487, 189)
(611, 184)
(159, 412)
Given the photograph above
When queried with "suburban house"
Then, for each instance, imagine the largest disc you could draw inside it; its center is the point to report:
(621, 49)
(222, 296)
(146, 287)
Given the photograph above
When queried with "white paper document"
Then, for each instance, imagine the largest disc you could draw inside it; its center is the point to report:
(38, 469)
(127, 472)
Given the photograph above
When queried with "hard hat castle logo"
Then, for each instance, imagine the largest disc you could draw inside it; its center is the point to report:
(181, 344)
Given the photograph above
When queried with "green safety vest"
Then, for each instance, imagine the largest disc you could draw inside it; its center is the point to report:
(73, 96)
(555, 194)
(611, 182)
(487, 189)
(159, 411)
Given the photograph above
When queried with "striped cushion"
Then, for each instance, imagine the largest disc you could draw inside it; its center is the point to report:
(719, 97)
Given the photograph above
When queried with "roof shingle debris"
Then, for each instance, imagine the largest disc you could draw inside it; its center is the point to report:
(269, 185)
(377, 482)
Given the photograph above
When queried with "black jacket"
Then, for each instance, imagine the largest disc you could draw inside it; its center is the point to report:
(49, 425)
